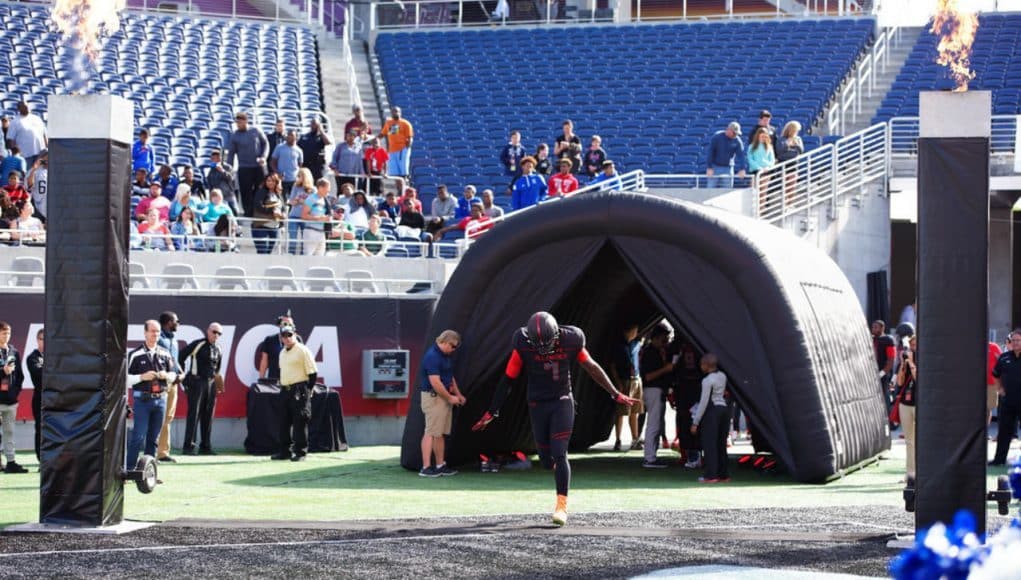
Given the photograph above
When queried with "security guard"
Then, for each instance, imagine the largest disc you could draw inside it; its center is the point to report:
(202, 383)
(1008, 382)
(151, 370)
(297, 378)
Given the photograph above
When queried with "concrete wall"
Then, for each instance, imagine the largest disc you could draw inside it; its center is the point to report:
(1001, 277)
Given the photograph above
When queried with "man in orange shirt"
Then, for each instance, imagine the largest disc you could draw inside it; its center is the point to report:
(399, 134)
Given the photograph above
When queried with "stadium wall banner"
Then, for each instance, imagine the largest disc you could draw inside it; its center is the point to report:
(337, 330)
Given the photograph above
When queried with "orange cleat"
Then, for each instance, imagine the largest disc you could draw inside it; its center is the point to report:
(560, 512)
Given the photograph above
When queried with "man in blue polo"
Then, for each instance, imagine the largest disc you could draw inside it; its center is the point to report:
(286, 160)
(726, 153)
(439, 393)
(143, 156)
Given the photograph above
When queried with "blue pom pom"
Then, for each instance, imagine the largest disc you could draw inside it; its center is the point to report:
(1015, 478)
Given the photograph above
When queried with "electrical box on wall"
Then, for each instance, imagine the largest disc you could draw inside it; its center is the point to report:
(385, 374)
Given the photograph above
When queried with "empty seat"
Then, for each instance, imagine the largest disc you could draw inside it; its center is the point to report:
(279, 278)
(321, 279)
(137, 276)
(362, 281)
(177, 276)
(27, 271)
(231, 278)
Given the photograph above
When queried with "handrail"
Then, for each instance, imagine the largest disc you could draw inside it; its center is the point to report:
(904, 136)
(192, 8)
(354, 95)
(862, 81)
(323, 118)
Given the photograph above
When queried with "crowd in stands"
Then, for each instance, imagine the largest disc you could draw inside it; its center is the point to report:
(24, 172)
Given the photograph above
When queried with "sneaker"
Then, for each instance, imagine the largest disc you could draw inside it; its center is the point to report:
(657, 464)
(708, 480)
(167, 459)
(636, 444)
(694, 464)
(189, 452)
(207, 452)
(281, 457)
(616, 446)
(13, 467)
(344, 447)
(298, 457)
(723, 480)
(446, 470)
(429, 472)
(560, 512)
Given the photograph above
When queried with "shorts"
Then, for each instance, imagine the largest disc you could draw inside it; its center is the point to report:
(438, 414)
(634, 390)
(992, 397)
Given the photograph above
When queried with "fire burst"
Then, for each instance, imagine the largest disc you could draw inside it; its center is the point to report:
(82, 22)
(956, 29)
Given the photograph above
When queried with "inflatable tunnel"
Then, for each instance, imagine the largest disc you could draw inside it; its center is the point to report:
(783, 319)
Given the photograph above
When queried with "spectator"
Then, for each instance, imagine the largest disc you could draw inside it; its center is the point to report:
(251, 148)
(348, 161)
(760, 157)
(543, 166)
(182, 200)
(594, 157)
(298, 375)
(624, 372)
(360, 210)
(687, 391)
(491, 210)
(478, 221)
(655, 372)
(221, 177)
(168, 182)
(313, 149)
(11, 381)
(287, 160)
(346, 195)
(764, 119)
(216, 208)
(278, 136)
(28, 132)
(202, 383)
(155, 233)
(609, 179)
(315, 212)
(15, 192)
(269, 214)
(151, 369)
(30, 229)
(568, 146)
(376, 162)
(303, 187)
(5, 126)
(464, 204)
(886, 352)
(168, 340)
(143, 156)
(357, 124)
(439, 393)
(343, 232)
(992, 393)
(563, 182)
(530, 188)
(907, 378)
(389, 207)
(154, 201)
(512, 154)
(399, 135)
(789, 145)
(140, 186)
(13, 163)
(198, 191)
(411, 194)
(184, 230)
(372, 238)
(726, 151)
(444, 205)
(412, 224)
(712, 407)
(1008, 382)
(908, 314)
(35, 372)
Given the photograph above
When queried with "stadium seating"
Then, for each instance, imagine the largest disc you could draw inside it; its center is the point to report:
(186, 76)
(994, 60)
(654, 93)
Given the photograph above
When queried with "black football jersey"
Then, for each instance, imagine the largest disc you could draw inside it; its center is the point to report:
(549, 377)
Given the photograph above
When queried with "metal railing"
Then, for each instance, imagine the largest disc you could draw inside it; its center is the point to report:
(862, 81)
(904, 136)
(192, 8)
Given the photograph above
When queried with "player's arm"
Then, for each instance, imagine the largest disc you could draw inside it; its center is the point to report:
(599, 375)
(512, 372)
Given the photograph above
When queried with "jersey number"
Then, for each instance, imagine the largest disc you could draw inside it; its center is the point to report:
(553, 368)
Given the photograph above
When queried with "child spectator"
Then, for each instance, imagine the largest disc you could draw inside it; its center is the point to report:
(512, 154)
(140, 186)
(563, 182)
(15, 192)
(712, 407)
(594, 157)
(372, 238)
(376, 161)
(543, 165)
(530, 188)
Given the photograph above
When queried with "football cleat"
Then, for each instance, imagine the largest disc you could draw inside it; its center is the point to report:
(560, 513)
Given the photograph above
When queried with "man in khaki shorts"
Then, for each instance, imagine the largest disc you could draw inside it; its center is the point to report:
(439, 393)
(625, 376)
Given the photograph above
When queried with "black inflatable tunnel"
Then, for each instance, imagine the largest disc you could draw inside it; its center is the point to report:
(787, 327)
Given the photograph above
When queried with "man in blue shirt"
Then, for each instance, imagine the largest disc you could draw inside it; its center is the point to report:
(726, 151)
(142, 154)
(464, 205)
(168, 326)
(530, 188)
(286, 160)
(439, 393)
(609, 179)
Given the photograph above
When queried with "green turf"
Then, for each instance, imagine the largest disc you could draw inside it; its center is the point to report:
(367, 482)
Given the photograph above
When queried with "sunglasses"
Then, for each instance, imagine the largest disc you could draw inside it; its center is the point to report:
(217, 333)
(454, 346)
(287, 334)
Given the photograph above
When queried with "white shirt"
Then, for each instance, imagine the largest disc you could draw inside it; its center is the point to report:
(713, 386)
(28, 133)
(38, 189)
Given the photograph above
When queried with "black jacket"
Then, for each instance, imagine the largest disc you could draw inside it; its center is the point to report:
(12, 383)
(205, 359)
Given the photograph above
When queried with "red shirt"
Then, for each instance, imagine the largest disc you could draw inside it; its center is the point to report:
(994, 354)
(377, 158)
(483, 224)
(559, 184)
(16, 194)
(361, 127)
(417, 203)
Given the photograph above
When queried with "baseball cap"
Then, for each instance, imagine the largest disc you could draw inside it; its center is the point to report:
(735, 127)
(608, 162)
(287, 329)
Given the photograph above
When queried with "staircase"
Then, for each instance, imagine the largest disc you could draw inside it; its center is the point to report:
(884, 80)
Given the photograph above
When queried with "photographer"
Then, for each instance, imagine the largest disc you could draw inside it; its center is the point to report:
(150, 372)
(297, 378)
(11, 379)
(906, 382)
